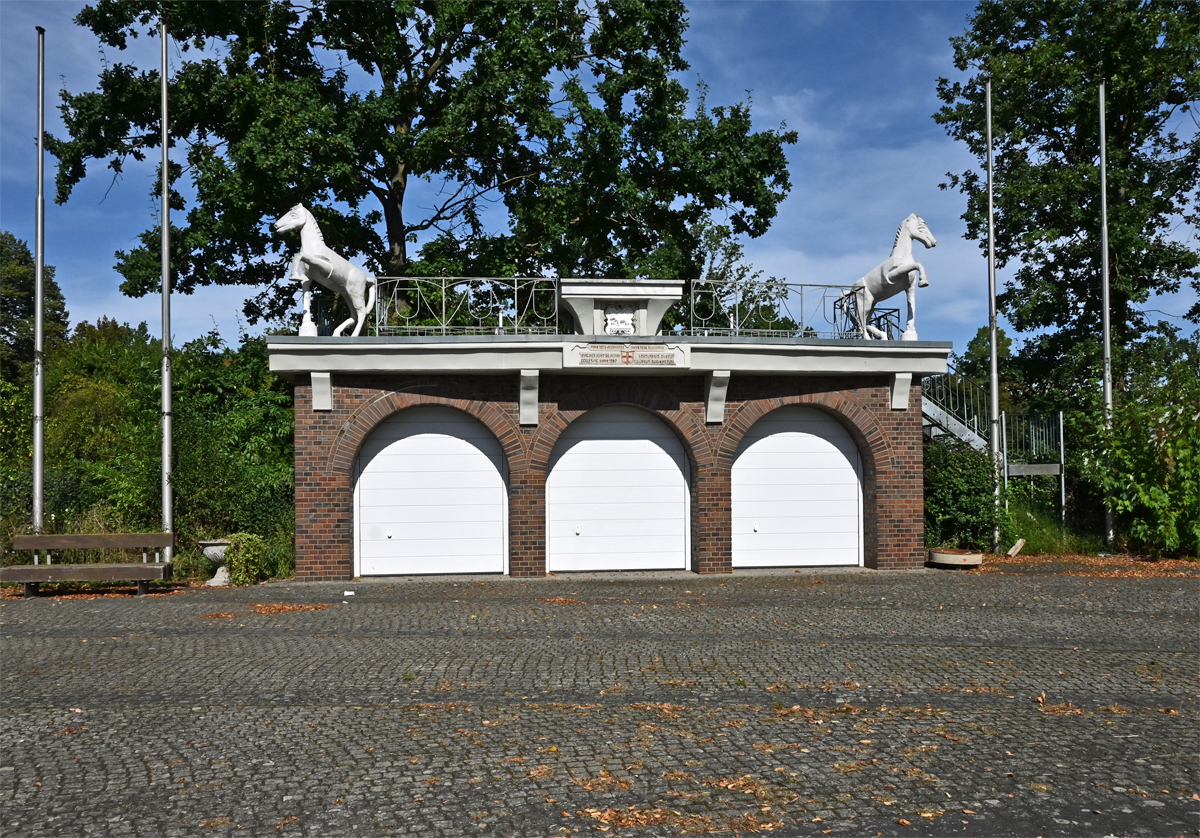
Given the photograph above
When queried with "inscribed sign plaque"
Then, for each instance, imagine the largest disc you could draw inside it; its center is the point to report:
(626, 355)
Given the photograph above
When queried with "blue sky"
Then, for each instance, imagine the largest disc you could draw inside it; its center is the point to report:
(855, 79)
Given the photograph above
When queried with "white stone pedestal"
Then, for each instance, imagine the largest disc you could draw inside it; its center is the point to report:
(214, 551)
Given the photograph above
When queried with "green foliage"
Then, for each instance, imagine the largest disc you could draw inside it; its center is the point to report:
(731, 294)
(976, 364)
(567, 113)
(1046, 59)
(235, 425)
(1149, 461)
(976, 361)
(17, 281)
(1038, 521)
(960, 501)
(233, 443)
(246, 558)
(279, 558)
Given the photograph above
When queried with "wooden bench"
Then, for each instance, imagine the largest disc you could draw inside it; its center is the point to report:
(32, 575)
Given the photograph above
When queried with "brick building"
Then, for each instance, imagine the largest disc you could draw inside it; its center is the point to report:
(614, 446)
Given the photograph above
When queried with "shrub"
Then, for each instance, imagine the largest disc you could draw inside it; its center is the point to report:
(246, 558)
(960, 501)
(279, 558)
(233, 469)
(1148, 462)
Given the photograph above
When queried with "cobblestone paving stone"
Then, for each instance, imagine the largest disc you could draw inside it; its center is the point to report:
(921, 703)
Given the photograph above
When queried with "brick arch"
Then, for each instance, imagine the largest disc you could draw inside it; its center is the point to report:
(659, 402)
(872, 442)
(363, 421)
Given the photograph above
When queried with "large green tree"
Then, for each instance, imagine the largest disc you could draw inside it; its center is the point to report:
(1046, 59)
(566, 113)
(17, 281)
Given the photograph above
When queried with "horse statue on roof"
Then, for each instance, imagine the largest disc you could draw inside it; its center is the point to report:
(899, 272)
(316, 261)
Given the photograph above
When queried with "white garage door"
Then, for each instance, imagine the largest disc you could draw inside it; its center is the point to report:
(431, 496)
(797, 492)
(617, 494)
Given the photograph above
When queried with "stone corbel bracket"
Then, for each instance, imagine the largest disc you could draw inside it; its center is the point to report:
(901, 384)
(322, 391)
(527, 408)
(716, 385)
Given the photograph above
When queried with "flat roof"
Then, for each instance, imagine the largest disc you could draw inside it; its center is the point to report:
(595, 354)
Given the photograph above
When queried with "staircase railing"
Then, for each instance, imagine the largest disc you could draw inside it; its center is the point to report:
(955, 404)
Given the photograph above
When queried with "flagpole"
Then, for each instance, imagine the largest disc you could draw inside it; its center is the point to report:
(994, 366)
(1109, 528)
(39, 291)
(168, 500)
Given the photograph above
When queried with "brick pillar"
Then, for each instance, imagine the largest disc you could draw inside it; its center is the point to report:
(527, 523)
(900, 490)
(712, 514)
(324, 498)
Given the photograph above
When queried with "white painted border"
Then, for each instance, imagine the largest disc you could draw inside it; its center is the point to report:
(357, 470)
(860, 495)
(689, 475)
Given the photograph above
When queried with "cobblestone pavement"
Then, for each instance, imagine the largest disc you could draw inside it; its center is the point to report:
(852, 703)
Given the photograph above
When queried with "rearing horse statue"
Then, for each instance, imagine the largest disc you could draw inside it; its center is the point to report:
(316, 261)
(899, 272)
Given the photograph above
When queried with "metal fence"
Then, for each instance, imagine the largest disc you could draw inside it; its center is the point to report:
(456, 305)
(423, 305)
(1034, 445)
(1033, 437)
(773, 308)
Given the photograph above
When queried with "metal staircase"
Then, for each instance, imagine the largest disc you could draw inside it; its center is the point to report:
(953, 404)
(1030, 444)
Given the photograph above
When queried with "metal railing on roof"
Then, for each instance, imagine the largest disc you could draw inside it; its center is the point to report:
(455, 305)
(773, 308)
(421, 305)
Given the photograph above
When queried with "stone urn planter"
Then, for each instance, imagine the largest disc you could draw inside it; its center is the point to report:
(214, 551)
(954, 557)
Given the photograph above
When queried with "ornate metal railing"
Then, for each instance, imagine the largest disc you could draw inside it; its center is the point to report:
(456, 305)
(423, 305)
(773, 308)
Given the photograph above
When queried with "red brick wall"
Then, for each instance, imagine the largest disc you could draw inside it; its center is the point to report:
(327, 443)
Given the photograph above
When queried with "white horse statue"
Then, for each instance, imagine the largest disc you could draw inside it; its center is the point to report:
(899, 272)
(316, 261)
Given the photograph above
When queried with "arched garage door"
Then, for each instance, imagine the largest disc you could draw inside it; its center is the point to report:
(617, 494)
(431, 496)
(797, 492)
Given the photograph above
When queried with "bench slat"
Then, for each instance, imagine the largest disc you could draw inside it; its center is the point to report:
(28, 573)
(97, 541)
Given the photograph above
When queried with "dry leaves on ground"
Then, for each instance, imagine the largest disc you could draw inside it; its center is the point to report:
(746, 784)
(1108, 567)
(657, 816)
(666, 710)
(282, 608)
